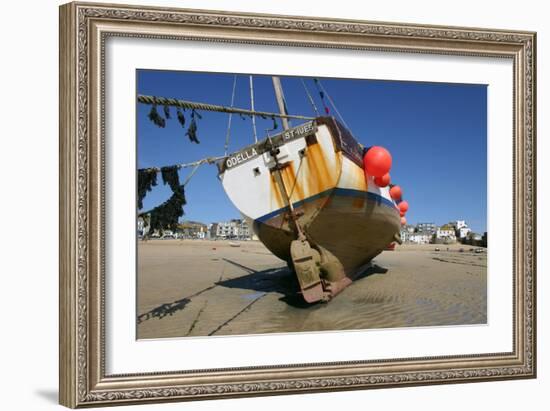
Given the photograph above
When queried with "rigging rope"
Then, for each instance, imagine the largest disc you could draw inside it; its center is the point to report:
(310, 98)
(191, 174)
(154, 100)
(230, 116)
(322, 95)
(332, 103)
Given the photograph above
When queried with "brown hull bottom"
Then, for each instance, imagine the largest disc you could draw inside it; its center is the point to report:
(352, 228)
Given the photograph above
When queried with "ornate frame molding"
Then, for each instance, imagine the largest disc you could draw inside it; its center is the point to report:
(83, 30)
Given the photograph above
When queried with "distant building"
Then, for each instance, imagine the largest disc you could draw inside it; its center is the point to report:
(233, 229)
(445, 234)
(406, 232)
(461, 228)
(409, 228)
(426, 228)
(211, 230)
(225, 229)
(142, 226)
(475, 239)
(463, 232)
(460, 224)
(420, 237)
(405, 235)
(192, 230)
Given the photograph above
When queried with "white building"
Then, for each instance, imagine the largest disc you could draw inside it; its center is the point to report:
(420, 238)
(426, 228)
(225, 229)
(405, 235)
(463, 232)
(202, 233)
(446, 233)
(142, 226)
(460, 224)
(212, 230)
(235, 228)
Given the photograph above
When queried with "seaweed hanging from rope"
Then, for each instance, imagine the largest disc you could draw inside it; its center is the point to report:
(192, 130)
(275, 126)
(166, 215)
(156, 118)
(181, 117)
(171, 177)
(147, 178)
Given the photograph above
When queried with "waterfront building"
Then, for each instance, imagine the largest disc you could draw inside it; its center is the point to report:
(445, 233)
(426, 228)
(462, 232)
(233, 229)
(192, 230)
(460, 224)
(423, 237)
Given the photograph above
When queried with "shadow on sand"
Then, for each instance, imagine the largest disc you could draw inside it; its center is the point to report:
(279, 280)
(283, 281)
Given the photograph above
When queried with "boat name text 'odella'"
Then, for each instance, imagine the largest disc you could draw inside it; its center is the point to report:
(252, 151)
(240, 157)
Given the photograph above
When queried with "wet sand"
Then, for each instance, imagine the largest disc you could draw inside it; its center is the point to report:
(201, 287)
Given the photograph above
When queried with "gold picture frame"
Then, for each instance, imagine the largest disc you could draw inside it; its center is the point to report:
(84, 27)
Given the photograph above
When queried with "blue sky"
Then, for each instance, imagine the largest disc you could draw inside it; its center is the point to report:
(436, 133)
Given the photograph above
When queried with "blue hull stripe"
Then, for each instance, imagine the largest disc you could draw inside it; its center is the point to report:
(337, 192)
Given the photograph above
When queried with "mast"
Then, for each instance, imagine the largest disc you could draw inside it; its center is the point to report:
(276, 170)
(252, 108)
(280, 100)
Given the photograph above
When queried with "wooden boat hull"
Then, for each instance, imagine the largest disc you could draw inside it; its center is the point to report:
(353, 225)
(313, 176)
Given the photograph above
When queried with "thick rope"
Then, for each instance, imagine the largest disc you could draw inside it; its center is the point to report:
(162, 101)
(207, 160)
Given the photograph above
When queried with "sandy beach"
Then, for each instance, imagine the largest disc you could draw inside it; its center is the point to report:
(202, 287)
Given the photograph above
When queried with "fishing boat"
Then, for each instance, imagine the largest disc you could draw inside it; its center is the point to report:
(306, 195)
(310, 193)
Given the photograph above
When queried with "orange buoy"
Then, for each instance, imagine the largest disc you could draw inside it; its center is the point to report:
(403, 206)
(403, 221)
(396, 193)
(382, 181)
(377, 161)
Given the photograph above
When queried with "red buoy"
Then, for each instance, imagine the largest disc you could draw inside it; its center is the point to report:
(401, 213)
(377, 161)
(382, 181)
(403, 206)
(396, 193)
(403, 221)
